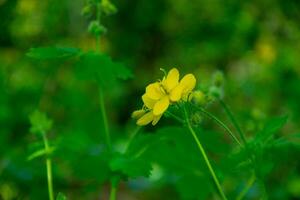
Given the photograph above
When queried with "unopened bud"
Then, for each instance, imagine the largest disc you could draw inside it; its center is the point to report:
(198, 98)
(96, 28)
(108, 8)
(218, 79)
(196, 119)
(138, 113)
(216, 92)
(87, 10)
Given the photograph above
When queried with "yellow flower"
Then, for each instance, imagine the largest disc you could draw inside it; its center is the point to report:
(159, 95)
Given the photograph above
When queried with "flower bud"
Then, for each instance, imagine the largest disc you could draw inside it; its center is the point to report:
(216, 92)
(96, 29)
(87, 10)
(218, 79)
(108, 8)
(196, 119)
(198, 98)
(138, 113)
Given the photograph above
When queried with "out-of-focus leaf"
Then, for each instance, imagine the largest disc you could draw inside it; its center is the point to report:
(193, 187)
(130, 166)
(45, 53)
(40, 123)
(61, 196)
(270, 128)
(100, 67)
(40, 153)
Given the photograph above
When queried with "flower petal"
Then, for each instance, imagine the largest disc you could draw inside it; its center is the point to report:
(149, 103)
(172, 79)
(188, 83)
(176, 93)
(161, 106)
(138, 113)
(156, 119)
(154, 91)
(145, 119)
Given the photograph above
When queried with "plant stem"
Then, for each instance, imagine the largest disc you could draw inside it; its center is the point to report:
(247, 188)
(212, 172)
(49, 169)
(221, 124)
(113, 192)
(175, 117)
(104, 117)
(98, 17)
(233, 120)
(132, 136)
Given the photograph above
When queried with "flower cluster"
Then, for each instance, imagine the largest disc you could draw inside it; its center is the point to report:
(161, 94)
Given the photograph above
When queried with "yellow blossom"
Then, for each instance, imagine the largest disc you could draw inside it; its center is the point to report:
(159, 95)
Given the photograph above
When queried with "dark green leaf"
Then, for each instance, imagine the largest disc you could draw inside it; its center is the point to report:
(130, 166)
(100, 67)
(45, 53)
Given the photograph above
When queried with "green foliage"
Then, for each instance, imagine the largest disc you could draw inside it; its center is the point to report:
(61, 196)
(256, 51)
(40, 123)
(40, 153)
(50, 53)
(130, 167)
(101, 68)
(271, 127)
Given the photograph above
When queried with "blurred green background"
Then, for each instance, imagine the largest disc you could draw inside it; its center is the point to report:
(255, 43)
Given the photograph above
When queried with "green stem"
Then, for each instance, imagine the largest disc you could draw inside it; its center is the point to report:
(49, 169)
(175, 117)
(212, 172)
(98, 17)
(233, 120)
(247, 188)
(113, 192)
(104, 117)
(221, 124)
(133, 135)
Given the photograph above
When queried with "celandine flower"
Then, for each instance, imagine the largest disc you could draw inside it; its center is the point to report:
(159, 95)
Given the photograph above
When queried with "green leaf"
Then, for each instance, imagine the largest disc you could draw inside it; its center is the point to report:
(39, 123)
(101, 68)
(47, 53)
(130, 166)
(61, 196)
(40, 153)
(271, 127)
(193, 187)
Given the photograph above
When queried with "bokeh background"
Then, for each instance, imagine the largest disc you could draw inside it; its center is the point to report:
(255, 43)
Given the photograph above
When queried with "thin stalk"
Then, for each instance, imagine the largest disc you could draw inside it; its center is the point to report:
(113, 192)
(133, 135)
(175, 117)
(104, 116)
(213, 117)
(249, 184)
(233, 120)
(98, 17)
(211, 170)
(49, 169)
